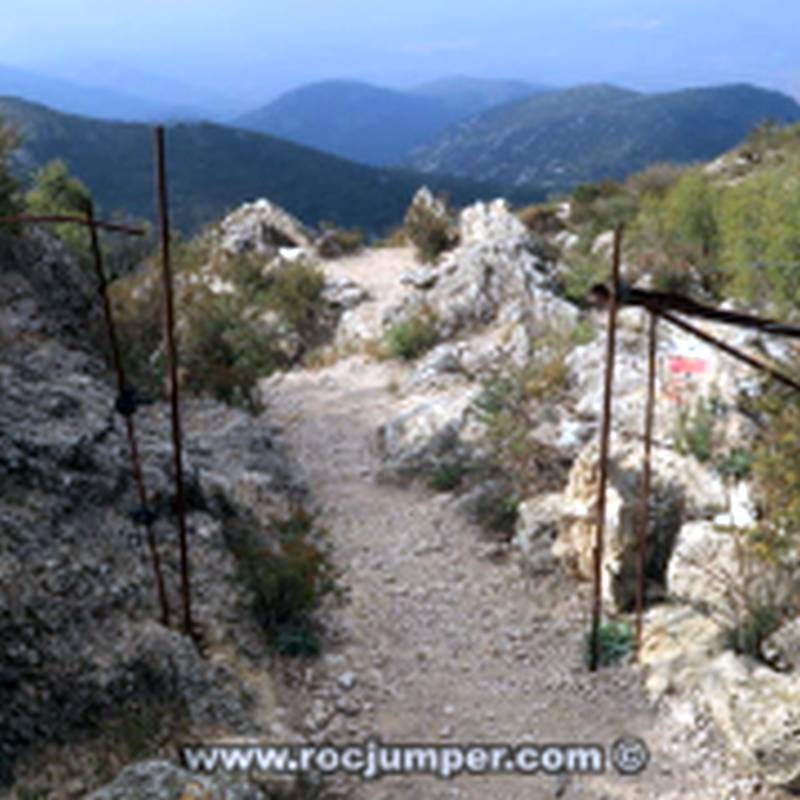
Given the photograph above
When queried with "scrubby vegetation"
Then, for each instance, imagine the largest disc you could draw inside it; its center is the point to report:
(513, 402)
(55, 191)
(759, 589)
(8, 186)
(239, 321)
(288, 577)
(336, 241)
(428, 227)
(616, 641)
(413, 337)
(731, 231)
(694, 430)
(772, 547)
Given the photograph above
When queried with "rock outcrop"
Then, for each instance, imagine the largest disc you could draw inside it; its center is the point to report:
(682, 489)
(79, 631)
(162, 780)
(432, 435)
(263, 228)
(496, 276)
(754, 707)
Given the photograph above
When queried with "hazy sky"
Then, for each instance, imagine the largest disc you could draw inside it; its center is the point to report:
(257, 48)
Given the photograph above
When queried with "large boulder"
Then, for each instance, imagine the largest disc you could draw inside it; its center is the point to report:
(263, 228)
(783, 646)
(754, 708)
(496, 275)
(704, 566)
(536, 528)
(758, 712)
(678, 643)
(681, 488)
(434, 433)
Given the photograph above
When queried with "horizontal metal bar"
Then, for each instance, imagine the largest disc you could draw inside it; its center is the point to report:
(659, 302)
(729, 349)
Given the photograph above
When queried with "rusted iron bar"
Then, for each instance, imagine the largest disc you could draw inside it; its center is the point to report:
(78, 220)
(730, 350)
(644, 522)
(658, 302)
(124, 390)
(172, 357)
(605, 433)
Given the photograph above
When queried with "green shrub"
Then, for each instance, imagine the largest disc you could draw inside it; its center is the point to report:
(512, 403)
(752, 629)
(694, 432)
(736, 464)
(498, 513)
(137, 305)
(224, 354)
(616, 641)
(288, 580)
(9, 141)
(447, 477)
(654, 181)
(760, 232)
(761, 587)
(582, 271)
(692, 217)
(601, 206)
(428, 227)
(410, 339)
(295, 292)
(224, 350)
(543, 220)
(337, 241)
(56, 191)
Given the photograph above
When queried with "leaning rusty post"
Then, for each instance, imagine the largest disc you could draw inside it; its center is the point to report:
(644, 523)
(605, 434)
(172, 356)
(127, 411)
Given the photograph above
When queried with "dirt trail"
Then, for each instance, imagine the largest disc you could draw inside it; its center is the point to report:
(442, 643)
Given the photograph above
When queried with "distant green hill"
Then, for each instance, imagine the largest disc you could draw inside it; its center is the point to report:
(372, 124)
(353, 120)
(559, 139)
(213, 169)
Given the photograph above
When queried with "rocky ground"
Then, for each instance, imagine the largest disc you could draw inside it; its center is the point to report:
(442, 641)
(443, 636)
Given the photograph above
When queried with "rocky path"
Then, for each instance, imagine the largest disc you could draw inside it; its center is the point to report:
(439, 641)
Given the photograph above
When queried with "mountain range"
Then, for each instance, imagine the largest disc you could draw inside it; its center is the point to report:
(559, 139)
(101, 102)
(214, 168)
(372, 124)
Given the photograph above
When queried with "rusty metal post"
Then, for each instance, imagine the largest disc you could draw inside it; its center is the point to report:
(172, 358)
(123, 388)
(644, 522)
(605, 433)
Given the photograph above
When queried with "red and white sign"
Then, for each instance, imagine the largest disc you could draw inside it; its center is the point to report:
(682, 375)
